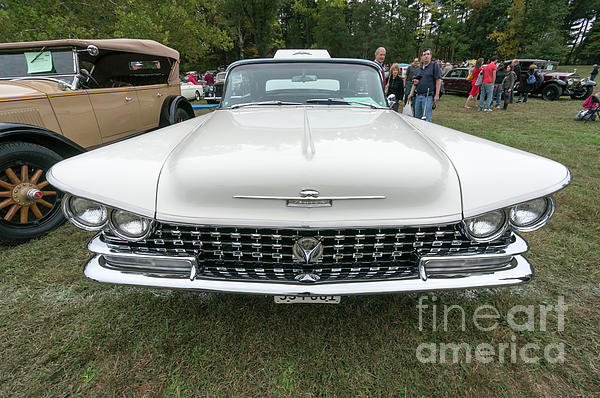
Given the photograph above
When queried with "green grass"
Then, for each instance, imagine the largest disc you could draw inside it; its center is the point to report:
(63, 335)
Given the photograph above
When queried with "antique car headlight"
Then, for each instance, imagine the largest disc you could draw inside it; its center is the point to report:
(570, 82)
(85, 214)
(129, 226)
(486, 227)
(531, 215)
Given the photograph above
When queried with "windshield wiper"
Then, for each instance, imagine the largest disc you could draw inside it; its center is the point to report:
(265, 103)
(340, 101)
(38, 54)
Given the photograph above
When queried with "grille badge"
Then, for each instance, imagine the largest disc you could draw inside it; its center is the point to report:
(307, 278)
(307, 249)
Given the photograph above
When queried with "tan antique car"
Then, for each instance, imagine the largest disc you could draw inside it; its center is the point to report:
(59, 98)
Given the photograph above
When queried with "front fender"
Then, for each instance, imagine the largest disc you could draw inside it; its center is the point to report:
(555, 81)
(41, 136)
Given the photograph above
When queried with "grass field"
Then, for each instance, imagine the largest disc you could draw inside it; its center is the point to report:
(63, 335)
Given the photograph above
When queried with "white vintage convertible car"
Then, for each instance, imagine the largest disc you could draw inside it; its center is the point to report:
(304, 183)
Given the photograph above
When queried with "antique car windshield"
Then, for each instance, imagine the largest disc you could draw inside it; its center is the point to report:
(52, 63)
(303, 83)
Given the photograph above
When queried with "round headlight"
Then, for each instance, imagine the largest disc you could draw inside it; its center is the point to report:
(531, 215)
(486, 227)
(129, 226)
(85, 214)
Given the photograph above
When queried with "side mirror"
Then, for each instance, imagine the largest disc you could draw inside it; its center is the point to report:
(93, 50)
(391, 100)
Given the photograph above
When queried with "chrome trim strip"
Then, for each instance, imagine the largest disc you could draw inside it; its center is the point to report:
(97, 246)
(307, 197)
(521, 273)
(308, 223)
(519, 246)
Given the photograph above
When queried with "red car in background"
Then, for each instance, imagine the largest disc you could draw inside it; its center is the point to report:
(455, 81)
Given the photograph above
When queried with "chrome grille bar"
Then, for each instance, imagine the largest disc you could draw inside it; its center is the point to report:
(266, 253)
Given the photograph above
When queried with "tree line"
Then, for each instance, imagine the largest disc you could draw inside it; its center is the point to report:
(211, 33)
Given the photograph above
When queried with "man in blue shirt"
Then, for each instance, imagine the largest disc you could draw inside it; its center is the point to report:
(426, 86)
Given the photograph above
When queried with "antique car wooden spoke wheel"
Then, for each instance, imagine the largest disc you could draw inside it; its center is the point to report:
(25, 195)
(29, 205)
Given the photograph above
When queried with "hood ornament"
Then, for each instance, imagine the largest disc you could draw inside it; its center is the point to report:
(309, 198)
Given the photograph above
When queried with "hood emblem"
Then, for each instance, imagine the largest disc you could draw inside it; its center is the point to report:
(307, 250)
(309, 198)
(307, 278)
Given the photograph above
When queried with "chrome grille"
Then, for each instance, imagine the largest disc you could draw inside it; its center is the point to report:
(266, 253)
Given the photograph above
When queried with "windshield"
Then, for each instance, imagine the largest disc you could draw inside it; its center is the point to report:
(301, 82)
(58, 64)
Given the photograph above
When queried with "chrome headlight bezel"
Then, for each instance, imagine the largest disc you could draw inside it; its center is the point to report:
(502, 227)
(118, 232)
(537, 223)
(107, 224)
(73, 219)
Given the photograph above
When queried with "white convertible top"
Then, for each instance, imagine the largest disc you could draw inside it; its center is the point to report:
(309, 53)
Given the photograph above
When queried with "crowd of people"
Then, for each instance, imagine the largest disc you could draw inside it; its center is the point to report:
(422, 86)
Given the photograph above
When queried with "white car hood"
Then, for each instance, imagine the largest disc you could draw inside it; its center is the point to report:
(189, 172)
(279, 151)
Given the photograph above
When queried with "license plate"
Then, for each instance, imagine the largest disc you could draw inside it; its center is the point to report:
(307, 299)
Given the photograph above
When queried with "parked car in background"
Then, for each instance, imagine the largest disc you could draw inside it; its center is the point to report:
(455, 81)
(214, 93)
(304, 183)
(191, 91)
(61, 97)
(556, 84)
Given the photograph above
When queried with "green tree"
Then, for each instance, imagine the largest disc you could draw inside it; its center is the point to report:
(186, 25)
(262, 16)
(331, 31)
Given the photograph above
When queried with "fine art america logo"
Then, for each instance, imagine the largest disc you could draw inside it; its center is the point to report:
(487, 318)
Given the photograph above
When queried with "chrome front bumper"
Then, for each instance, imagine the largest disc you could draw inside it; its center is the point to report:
(436, 273)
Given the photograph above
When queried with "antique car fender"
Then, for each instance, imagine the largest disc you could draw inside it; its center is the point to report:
(168, 112)
(555, 81)
(588, 83)
(10, 132)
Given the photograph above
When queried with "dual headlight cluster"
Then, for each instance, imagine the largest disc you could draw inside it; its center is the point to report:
(93, 216)
(525, 217)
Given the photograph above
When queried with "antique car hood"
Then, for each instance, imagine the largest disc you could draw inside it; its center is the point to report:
(493, 175)
(558, 75)
(123, 174)
(18, 90)
(275, 152)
